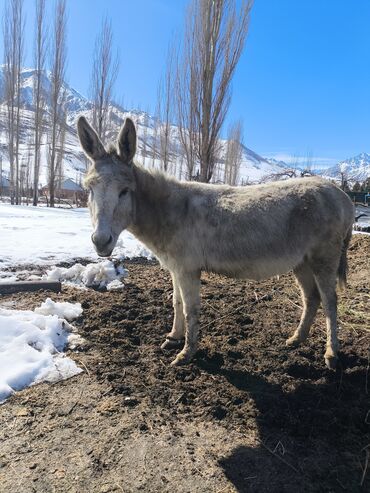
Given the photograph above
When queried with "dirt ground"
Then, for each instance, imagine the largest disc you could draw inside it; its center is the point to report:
(248, 415)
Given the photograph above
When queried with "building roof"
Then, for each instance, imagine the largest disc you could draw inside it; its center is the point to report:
(70, 185)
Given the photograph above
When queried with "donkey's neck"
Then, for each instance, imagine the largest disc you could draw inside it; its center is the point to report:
(153, 202)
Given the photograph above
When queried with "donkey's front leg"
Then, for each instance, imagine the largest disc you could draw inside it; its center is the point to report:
(176, 338)
(189, 284)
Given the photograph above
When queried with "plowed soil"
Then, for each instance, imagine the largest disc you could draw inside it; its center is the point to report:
(247, 415)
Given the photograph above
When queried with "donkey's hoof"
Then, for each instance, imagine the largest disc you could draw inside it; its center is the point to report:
(181, 360)
(293, 341)
(331, 361)
(172, 343)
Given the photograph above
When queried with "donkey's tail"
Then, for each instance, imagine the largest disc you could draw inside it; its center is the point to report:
(343, 264)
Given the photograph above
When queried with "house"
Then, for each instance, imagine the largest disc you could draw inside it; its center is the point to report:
(68, 190)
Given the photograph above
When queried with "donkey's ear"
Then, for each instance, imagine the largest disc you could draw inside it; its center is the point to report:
(127, 141)
(89, 140)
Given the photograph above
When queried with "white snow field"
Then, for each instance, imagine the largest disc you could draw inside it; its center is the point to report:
(31, 345)
(43, 236)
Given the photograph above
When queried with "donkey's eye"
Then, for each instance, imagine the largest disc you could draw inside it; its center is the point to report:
(123, 193)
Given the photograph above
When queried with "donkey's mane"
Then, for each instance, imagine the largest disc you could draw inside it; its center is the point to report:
(154, 182)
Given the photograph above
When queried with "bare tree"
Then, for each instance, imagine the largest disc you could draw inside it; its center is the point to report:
(20, 53)
(57, 96)
(165, 116)
(60, 150)
(185, 103)
(104, 74)
(154, 139)
(215, 33)
(13, 34)
(38, 92)
(305, 165)
(284, 174)
(234, 154)
(144, 148)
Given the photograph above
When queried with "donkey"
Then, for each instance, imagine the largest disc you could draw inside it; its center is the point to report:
(250, 232)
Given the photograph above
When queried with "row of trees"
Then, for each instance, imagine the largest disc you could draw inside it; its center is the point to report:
(49, 124)
(362, 187)
(194, 94)
(349, 185)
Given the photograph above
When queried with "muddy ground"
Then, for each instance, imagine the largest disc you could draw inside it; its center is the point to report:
(248, 415)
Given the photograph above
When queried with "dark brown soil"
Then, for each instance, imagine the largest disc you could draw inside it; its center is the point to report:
(248, 415)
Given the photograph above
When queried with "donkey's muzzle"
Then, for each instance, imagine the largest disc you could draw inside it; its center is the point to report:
(103, 244)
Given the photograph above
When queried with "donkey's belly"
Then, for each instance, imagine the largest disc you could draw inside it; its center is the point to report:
(256, 270)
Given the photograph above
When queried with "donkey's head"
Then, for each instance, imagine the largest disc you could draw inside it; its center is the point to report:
(111, 183)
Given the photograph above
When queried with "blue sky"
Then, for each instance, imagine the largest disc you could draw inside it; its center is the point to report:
(302, 85)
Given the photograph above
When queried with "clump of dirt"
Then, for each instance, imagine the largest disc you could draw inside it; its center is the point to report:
(247, 414)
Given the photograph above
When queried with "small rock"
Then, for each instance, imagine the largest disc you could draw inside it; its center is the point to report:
(130, 401)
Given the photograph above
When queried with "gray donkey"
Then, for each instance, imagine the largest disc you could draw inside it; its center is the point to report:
(250, 232)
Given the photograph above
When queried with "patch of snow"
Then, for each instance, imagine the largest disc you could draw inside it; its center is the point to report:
(31, 345)
(100, 275)
(66, 310)
(115, 285)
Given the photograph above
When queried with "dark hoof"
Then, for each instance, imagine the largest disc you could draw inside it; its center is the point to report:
(172, 343)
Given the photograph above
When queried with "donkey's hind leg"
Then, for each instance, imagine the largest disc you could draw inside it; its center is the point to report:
(311, 301)
(325, 272)
(176, 338)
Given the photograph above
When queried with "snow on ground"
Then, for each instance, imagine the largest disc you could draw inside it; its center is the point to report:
(31, 345)
(44, 236)
(103, 274)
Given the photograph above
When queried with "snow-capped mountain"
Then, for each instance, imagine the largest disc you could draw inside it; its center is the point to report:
(253, 167)
(75, 102)
(355, 169)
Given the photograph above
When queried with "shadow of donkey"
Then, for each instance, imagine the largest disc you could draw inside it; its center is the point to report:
(311, 438)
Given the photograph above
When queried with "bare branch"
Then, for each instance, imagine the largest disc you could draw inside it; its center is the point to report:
(39, 99)
(104, 74)
(57, 95)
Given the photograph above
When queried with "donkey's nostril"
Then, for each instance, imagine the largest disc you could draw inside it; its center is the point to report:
(101, 241)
